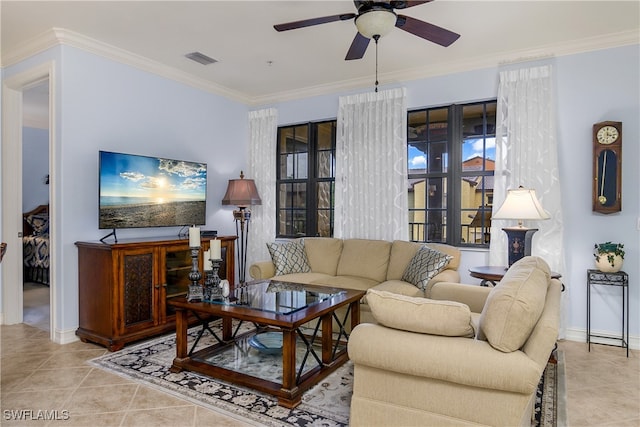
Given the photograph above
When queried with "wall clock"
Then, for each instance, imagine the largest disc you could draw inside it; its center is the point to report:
(607, 167)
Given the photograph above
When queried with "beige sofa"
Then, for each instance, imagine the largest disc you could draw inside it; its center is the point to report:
(410, 373)
(362, 264)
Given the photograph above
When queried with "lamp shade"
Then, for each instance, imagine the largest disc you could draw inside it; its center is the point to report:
(521, 203)
(376, 22)
(241, 192)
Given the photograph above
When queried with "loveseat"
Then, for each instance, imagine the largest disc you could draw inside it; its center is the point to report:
(361, 264)
(469, 355)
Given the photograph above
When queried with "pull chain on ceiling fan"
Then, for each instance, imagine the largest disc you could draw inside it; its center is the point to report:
(376, 38)
(377, 18)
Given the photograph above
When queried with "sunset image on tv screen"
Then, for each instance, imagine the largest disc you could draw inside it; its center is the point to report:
(140, 191)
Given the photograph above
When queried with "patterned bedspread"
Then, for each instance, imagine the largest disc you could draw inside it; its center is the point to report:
(36, 251)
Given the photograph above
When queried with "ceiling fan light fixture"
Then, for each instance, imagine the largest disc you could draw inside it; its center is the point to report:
(376, 22)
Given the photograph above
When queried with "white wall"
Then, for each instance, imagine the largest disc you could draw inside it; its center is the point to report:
(35, 167)
(591, 87)
(126, 110)
(105, 105)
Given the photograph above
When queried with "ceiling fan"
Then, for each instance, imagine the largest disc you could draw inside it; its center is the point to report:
(376, 19)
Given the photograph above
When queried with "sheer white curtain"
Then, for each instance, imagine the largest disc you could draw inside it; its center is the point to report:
(371, 166)
(527, 155)
(263, 132)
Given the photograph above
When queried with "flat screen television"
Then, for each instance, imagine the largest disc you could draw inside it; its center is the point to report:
(140, 191)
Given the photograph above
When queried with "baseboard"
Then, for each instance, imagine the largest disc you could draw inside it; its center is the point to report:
(580, 335)
(65, 337)
(59, 337)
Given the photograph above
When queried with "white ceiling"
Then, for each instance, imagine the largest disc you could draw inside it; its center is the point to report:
(259, 65)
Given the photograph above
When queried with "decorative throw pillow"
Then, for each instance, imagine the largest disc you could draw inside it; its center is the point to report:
(421, 315)
(289, 257)
(39, 223)
(425, 264)
(514, 306)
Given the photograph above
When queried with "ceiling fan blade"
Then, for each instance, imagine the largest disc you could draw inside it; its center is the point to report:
(358, 47)
(427, 31)
(313, 21)
(405, 4)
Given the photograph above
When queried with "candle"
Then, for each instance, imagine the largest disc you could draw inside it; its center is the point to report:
(214, 245)
(194, 237)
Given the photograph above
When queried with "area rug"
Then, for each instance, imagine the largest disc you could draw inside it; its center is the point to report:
(550, 408)
(326, 404)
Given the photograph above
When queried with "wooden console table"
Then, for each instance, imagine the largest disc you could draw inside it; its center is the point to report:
(124, 287)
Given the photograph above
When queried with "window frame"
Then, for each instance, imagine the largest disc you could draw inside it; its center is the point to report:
(453, 174)
(311, 181)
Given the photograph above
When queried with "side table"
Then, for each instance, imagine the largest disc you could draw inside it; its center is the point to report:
(620, 279)
(490, 274)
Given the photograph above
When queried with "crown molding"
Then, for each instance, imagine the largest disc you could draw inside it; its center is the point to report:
(57, 36)
(549, 51)
(62, 36)
(573, 47)
(29, 48)
(311, 91)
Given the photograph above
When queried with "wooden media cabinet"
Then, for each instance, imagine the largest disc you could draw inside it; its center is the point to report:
(124, 287)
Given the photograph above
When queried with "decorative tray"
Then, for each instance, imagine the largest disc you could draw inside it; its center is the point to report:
(267, 342)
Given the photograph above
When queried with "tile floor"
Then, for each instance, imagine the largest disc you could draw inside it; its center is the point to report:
(37, 374)
(603, 386)
(36, 305)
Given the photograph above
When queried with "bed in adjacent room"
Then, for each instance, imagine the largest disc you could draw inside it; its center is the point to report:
(35, 242)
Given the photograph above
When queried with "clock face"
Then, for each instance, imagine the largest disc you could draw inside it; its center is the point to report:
(607, 135)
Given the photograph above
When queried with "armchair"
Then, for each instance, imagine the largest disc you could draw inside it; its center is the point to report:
(434, 375)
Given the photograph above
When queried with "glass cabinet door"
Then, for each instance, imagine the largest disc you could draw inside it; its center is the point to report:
(177, 266)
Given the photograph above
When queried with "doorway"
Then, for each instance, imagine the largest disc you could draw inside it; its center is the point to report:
(35, 195)
(13, 89)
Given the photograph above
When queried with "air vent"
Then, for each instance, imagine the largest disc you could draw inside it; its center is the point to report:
(200, 58)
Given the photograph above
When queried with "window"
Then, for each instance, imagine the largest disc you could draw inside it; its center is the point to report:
(306, 179)
(451, 155)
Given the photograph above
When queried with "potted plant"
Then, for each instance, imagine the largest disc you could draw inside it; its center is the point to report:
(609, 256)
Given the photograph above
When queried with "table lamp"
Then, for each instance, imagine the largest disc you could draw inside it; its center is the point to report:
(242, 193)
(521, 203)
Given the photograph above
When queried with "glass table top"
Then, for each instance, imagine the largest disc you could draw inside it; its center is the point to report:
(279, 297)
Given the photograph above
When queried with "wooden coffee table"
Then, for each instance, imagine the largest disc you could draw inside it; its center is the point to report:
(271, 306)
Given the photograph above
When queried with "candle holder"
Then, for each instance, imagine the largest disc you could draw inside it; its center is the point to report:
(212, 287)
(195, 293)
(242, 294)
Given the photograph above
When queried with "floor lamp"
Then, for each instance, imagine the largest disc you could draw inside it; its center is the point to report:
(521, 203)
(242, 193)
